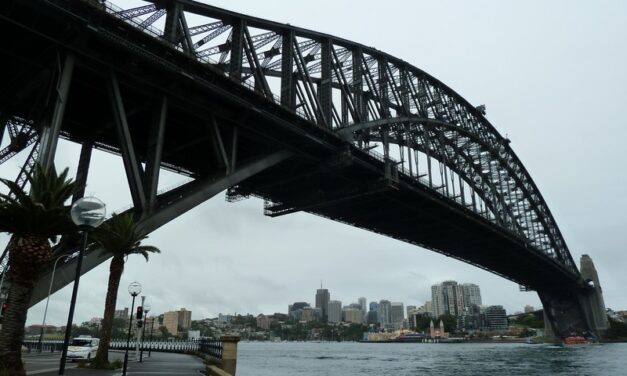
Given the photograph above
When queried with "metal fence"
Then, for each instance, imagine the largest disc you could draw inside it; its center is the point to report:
(44, 346)
(208, 346)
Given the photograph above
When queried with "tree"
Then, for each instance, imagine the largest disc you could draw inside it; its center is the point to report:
(33, 220)
(450, 322)
(122, 237)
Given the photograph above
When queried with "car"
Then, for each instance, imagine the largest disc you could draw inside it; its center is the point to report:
(82, 347)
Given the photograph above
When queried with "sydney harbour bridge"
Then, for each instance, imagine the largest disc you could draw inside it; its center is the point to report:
(304, 120)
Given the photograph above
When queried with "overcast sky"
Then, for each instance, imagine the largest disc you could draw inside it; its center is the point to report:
(553, 78)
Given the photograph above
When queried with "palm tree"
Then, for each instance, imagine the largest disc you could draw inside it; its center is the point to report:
(120, 236)
(33, 220)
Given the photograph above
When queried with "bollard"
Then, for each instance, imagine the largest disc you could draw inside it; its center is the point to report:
(229, 353)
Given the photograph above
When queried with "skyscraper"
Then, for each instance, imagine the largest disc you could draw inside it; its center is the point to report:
(385, 312)
(397, 313)
(447, 297)
(364, 308)
(472, 294)
(322, 301)
(335, 311)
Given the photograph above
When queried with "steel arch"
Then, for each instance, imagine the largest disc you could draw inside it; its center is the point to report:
(373, 97)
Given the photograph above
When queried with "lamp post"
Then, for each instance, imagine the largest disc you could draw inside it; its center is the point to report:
(152, 326)
(141, 351)
(134, 289)
(43, 323)
(87, 213)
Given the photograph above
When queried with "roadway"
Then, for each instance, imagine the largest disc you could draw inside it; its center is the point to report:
(47, 364)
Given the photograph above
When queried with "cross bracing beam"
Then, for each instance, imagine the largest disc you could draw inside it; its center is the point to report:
(171, 204)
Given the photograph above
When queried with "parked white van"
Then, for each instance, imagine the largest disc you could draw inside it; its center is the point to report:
(82, 347)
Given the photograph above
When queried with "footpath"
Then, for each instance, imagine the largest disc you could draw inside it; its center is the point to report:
(47, 364)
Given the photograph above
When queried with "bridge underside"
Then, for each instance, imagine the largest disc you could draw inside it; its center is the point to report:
(155, 106)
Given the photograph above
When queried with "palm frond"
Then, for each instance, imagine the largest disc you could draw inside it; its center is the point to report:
(43, 212)
(121, 236)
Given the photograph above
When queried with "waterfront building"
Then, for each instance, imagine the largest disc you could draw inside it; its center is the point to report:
(322, 300)
(472, 294)
(397, 313)
(496, 318)
(437, 332)
(384, 312)
(335, 311)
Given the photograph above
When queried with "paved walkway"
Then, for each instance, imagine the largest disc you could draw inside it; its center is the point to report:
(47, 364)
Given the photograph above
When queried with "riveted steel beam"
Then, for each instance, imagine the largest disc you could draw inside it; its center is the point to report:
(131, 164)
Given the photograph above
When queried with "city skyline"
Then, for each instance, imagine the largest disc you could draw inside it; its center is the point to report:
(530, 98)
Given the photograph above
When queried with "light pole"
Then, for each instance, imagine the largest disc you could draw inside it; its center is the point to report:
(141, 351)
(43, 324)
(87, 213)
(134, 289)
(152, 326)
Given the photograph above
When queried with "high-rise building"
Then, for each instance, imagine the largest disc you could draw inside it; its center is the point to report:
(451, 297)
(397, 313)
(529, 309)
(372, 317)
(171, 322)
(384, 312)
(472, 294)
(322, 300)
(185, 319)
(175, 321)
(335, 311)
(364, 307)
(374, 306)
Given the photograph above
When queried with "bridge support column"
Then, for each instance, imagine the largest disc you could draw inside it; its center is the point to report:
(579, 310)
(50, 133)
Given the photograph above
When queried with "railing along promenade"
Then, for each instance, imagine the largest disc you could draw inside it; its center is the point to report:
(220, 354)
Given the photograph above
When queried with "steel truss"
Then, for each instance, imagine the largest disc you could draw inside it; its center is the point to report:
(378, 102)
(418, 128)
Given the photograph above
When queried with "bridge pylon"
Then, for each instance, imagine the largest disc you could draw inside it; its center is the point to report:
(578, 310)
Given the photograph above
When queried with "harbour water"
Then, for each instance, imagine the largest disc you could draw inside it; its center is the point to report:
(404, 359)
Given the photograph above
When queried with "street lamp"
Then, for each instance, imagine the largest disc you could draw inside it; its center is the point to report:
(141, 351)
(87, 213)
(43, 324)
(134, 289)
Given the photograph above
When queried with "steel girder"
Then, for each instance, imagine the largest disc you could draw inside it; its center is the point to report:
(377, 101)
(380, 100)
